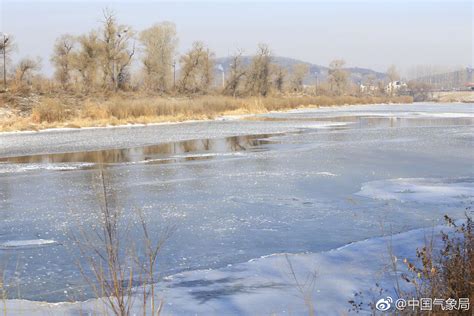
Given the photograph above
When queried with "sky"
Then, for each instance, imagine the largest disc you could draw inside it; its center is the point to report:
(365, 33)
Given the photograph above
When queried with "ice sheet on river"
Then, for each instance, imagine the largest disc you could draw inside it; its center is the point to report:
(265, 286)
(412, 111)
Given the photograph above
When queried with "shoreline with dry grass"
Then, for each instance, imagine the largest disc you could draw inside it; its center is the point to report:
(125, 110)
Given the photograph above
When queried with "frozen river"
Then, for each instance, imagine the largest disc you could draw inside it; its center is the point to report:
(302, 181)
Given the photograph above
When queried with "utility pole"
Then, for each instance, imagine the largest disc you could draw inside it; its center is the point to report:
(4, 51)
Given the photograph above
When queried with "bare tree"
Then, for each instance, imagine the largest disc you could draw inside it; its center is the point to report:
(370, 80)
(279, 74)
(259, 74)
(393, 76)
(62, 59)
(237, 72)
(159, 42)
(118, 49)
(420, 91)
(392, 73)
(369, 85)
(112, 259)
(197, 68)
(338, 77)
(300, 71)
(26, 68)
(86, 59)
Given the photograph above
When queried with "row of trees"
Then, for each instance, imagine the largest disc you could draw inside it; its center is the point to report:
(103, 60)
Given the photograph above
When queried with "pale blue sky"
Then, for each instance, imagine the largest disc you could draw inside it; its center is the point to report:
(366, 33)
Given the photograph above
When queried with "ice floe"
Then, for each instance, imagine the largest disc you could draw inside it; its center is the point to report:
(22, 244)
(423, 190)
(26, 167)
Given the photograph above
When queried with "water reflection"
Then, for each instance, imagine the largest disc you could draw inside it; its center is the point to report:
(162, 153)
(203, 149)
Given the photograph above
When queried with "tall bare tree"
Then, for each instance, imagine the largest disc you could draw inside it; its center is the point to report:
(159, 43)
(26, 68)
(259, 74)
(299, 72)
(279, 76)
(338, 77)
(118, 49)
(392, 73)
(197, 68)
(86, 59)
(237, 72)
(62, 59)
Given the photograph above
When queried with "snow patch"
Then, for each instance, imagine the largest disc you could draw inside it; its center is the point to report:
(18, 168)
(22, 244)
(423, 190)
(325, 173)
(207, 155)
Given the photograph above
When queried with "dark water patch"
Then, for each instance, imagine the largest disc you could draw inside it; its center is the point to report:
(189, 150)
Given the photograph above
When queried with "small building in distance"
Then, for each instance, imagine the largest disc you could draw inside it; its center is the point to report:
(369, 89)
(395, 86)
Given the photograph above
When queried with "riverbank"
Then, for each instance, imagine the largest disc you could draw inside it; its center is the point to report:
(454, 96)
(59, 112)
(67, 140)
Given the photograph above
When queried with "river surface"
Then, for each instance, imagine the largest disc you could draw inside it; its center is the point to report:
(233, 190)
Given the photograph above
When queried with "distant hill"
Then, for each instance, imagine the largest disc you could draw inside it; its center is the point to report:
(356, 74)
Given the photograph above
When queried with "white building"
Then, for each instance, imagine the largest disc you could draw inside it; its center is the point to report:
(367, 88)
(395, 86)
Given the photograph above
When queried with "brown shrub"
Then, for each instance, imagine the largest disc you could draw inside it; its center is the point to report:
(449, 273)
(50, 110)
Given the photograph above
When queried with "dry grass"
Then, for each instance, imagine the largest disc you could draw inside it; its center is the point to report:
(131, 109)
(444, 271)
(50, 111)
(117, 262)
(3, 293)
(454, 96)
(448, 273)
